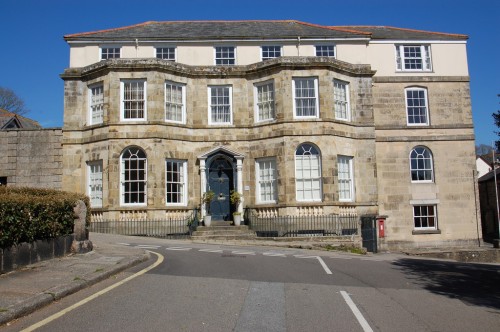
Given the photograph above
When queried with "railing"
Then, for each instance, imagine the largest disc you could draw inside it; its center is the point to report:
(302, 226)
(174, 228)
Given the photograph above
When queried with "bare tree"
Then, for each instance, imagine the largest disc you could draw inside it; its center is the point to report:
(496, 118)
(11, 102)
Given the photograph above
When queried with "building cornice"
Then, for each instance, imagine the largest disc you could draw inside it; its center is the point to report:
(153, 64)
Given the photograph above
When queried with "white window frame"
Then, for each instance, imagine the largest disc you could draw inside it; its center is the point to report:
(305, 182)
(123, 101)
(268, 180)
(96, 104)
(345, 167)
(342, 102)
(108, 54)
(210, 106)
(319, 49)
(276, 49)
(123, 181)
(224, 58)
(95, 183)
(426, 100)
(427, 167)
(315, 97)
(262, 104)
(425, 216)
(161, 54)
(173, 103)
(425, 58)
(182, 183)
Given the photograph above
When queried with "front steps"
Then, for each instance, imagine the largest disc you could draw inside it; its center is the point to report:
(222, 232)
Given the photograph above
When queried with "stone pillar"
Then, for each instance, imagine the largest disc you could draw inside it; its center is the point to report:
(203, 184)
(81, 243)
(239, 178)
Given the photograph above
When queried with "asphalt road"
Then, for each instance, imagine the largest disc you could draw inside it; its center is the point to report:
(217, 288)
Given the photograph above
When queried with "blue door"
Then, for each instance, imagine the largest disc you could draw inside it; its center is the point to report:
(220, 181)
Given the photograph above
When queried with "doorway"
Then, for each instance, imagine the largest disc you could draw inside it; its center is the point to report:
(221, 182)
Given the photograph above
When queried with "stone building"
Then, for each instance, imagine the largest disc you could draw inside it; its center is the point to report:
(31, 155)
(300, 119)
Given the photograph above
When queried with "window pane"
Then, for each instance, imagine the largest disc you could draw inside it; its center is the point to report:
(220, 108)
(308, 173)
(421, 164)
(265, 101)
(134, 176)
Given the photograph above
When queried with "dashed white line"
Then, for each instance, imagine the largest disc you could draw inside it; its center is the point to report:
(123, 244)
(361, 320)
(178, 248)
(273, 254)
(341, 257)
(304, 256)
(211, 250)
(145, 246)
(243, 252)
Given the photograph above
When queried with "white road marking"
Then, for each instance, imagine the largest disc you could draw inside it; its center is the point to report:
(123, 244)
(341, 257)
(145, 246)
(211, 250)
(243, 252)
(93, 296)
(304, 256)
(361, 320)
(325, 267)
(273, 254)
(327, 270)
(178, 248)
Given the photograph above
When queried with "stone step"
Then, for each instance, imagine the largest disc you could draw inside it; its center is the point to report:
(226, 232)
(221, 228)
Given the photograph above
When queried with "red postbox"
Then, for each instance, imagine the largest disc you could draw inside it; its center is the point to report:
(381, 227)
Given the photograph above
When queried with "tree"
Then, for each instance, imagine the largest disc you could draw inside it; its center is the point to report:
(11, 102)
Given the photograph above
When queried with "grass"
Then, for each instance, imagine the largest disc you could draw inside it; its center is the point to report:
(351, 249)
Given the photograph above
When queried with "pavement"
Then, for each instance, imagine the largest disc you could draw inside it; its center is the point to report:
(27, 289)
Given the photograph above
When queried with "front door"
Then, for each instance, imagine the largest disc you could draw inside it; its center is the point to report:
(220, 181)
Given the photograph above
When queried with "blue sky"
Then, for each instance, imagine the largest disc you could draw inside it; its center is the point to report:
(34, 53)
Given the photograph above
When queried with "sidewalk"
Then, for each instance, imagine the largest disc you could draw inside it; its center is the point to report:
(25, 290)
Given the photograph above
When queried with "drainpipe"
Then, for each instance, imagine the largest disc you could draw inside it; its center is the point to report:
(136, 48)
(298, 46)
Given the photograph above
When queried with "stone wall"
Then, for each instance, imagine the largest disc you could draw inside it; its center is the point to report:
(32, 158)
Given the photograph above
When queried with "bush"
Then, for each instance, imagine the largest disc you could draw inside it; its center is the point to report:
(29, 214)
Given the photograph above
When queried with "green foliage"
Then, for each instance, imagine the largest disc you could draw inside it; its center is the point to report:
(207, 198)
(235, 198)
(29, 214)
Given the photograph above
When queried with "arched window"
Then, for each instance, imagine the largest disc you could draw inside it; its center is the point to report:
(308, 173)
(133, 176)
(421, 165)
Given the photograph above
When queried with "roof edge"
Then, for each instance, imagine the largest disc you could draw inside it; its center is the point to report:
(455, 35)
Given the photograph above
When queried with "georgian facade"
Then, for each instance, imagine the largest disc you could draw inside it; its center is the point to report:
(300, 119)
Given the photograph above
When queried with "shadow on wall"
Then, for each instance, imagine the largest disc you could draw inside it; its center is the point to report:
(473, 284)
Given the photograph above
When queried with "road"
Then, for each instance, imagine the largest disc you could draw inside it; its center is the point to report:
(222, 288)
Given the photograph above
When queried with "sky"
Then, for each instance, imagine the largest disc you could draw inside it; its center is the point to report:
(33, 52)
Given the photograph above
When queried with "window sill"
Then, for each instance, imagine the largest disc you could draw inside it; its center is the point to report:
(426, 231)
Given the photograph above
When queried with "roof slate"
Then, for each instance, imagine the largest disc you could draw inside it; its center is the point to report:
(254, 29)
(196, 30)
(7, 117)
(385, 32)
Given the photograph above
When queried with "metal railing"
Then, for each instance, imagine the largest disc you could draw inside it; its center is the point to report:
(166, 228)
(303, 226)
